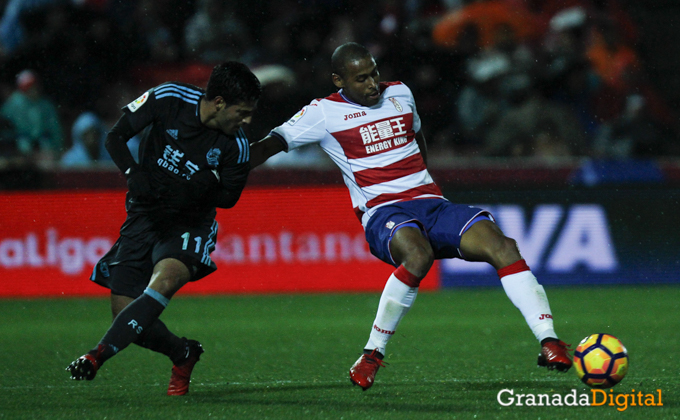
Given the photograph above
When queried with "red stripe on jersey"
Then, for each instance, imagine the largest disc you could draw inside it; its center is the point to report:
(358, 213)
(385, 85)
(432, 189)
(411, 165)
(376, 137)
(335, 97)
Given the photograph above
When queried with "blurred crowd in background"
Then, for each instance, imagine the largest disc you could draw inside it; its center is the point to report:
(551, 79)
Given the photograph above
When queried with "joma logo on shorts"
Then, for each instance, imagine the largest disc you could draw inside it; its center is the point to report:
(355, 115)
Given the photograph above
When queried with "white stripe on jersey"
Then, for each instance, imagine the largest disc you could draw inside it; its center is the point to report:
(374, 147)
(398, 185)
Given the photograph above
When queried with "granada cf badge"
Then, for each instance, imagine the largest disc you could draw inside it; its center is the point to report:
(396, 104)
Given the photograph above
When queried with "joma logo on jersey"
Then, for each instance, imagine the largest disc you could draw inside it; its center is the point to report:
(355, 115)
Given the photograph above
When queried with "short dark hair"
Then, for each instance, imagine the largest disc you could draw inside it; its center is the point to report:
(347, 53)
(234, 82)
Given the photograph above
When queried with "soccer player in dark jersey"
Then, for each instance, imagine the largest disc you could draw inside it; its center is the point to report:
(194, 158)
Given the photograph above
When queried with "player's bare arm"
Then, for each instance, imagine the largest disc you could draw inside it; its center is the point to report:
(262, 150)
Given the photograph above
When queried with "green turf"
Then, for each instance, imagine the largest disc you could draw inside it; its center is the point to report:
(287, 357)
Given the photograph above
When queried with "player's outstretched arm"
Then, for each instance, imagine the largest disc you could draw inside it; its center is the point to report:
(262, 150)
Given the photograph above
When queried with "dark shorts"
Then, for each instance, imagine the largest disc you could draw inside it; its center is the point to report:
(127, 268)
(442, 222)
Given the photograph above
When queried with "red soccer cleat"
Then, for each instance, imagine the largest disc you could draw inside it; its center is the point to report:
(181, 373)
(363, 371)
(555, 355)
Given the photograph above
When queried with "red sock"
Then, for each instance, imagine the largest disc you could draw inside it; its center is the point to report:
(404, 276)
(514, 268)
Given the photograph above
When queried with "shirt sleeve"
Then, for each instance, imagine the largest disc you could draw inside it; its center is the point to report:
(412, 103)
(306, 127)
(142, 111)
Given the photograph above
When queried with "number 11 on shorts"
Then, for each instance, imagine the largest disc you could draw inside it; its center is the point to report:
(185, 244)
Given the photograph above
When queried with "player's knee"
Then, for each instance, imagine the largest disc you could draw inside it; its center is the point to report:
(167, 285)
(504, 251)
(419, 261)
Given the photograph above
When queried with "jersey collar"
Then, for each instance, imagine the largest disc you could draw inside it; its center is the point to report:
(346, 99)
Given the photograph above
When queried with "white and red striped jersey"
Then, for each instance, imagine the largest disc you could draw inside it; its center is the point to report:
(374, 147)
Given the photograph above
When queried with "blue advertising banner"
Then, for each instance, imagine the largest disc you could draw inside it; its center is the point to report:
(581, 236)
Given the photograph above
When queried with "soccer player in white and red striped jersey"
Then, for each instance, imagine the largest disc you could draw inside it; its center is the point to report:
(371, 130)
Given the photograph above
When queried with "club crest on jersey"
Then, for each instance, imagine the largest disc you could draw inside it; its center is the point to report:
(396, 104)
(297, 116)
(213, 157)
(355, 115)
(137, 103)
(389, 225)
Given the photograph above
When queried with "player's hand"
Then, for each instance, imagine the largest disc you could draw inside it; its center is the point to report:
(139, 183)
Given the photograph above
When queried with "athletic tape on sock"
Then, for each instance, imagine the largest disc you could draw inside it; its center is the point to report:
(157, 296)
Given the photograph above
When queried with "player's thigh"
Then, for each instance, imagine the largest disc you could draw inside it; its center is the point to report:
(191, 245)
(384, 224)
(449, 224)
(169, 275)
(484, 241)
(125, 269)
(410, 246)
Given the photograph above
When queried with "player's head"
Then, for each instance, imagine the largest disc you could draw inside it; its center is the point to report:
(355, 72)
(233, 90)
(234, 82)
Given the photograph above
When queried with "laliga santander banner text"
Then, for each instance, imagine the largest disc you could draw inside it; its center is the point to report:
(595, 398)
(273, 240)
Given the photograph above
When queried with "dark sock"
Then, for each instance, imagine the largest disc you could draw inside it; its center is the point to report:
(158, 338)
(128, 325)
(549, 339)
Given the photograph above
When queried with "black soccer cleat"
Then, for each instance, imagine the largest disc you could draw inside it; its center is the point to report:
(84, 367)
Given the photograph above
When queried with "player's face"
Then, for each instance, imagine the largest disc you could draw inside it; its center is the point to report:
(360, 83)
(230, 118)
